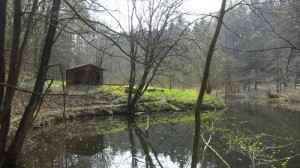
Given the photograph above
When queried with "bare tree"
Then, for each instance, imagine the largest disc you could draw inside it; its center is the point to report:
(151, 44)
(146, 43)
(210, 53)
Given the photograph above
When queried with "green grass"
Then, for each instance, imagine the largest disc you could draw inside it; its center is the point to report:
(177, 95)
(55, 83)
(154, 93)
(116, 89)
(275, 100)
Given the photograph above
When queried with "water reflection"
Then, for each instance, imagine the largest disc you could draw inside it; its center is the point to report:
(85, 145)
(170, 144)
(161, 145)
(270, 132)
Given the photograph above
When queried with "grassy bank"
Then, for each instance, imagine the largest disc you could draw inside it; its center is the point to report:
(108, 100)
(154, 93)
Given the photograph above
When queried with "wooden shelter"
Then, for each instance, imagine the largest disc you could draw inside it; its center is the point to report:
(85, 74)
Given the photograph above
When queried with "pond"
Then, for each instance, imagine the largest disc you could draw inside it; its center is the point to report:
(245, 135)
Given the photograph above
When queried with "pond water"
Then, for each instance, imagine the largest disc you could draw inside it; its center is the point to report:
(245, 135)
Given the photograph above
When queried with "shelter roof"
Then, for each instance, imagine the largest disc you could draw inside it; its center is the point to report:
(86, 65)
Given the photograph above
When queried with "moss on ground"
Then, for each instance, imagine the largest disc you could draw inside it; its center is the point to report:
(108, 100)
(154, 93)
(275, 100)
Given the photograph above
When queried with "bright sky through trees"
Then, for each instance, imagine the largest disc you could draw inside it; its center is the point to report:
(199, 6)
(191, 6)
(202, 6)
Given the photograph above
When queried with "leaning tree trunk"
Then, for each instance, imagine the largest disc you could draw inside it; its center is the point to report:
(16, 58)
(139, 91)
(4, 115)
(255, 73)
(3, 5)
(15, 147)
(132, 72)
(203, 86)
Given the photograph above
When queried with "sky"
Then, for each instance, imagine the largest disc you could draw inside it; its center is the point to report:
(191, 6)
(203, 6)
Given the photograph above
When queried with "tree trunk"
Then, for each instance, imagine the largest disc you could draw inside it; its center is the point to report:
(255, 72)
(16, 57)
(296, 81)
(277, 84)
(3, 135)
(14, 68)
(139, 91)
(14, 51)
(170, 83)
(35, 99)
(277, 74)
(249, 84)
(132, 72)
(255, 81)
(133, 151)
(143, 139)
(5, 111)
(203, 86)
(208, 89)
(3, 6)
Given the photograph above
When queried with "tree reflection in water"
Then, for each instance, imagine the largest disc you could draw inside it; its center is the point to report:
(162, 145)
(144, 142)
(242, 135)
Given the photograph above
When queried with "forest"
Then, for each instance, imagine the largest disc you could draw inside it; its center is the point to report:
(160, 62)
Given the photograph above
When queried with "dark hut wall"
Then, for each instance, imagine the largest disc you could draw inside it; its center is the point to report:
(85, 74)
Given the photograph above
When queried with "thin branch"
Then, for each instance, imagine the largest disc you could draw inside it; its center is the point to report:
(232, 7)
(206, 144)
(261, 16)
(258, 50)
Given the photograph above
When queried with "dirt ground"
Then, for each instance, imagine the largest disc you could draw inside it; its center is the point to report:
(288, 97)
(265, 91)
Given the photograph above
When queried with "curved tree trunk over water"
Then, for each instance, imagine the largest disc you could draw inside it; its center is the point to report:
(204, 84)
